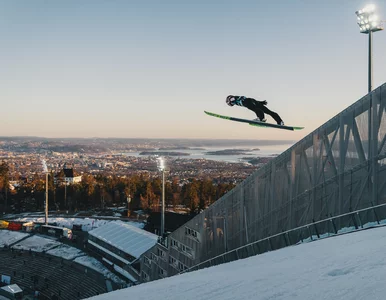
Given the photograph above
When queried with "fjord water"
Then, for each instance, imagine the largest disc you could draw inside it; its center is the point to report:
(202, 152)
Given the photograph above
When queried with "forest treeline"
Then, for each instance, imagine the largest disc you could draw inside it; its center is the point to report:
(138, 192)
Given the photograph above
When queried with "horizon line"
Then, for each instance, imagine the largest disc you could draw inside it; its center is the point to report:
(142, 138)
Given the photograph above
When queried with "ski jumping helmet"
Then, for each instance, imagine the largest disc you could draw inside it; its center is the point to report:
(229, 100)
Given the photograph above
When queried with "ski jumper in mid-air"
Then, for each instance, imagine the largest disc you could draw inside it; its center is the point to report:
(258, 107)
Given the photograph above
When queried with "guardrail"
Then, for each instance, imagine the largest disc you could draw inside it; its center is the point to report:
(312, 231)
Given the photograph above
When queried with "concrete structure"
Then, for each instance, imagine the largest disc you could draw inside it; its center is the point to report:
(338, 168)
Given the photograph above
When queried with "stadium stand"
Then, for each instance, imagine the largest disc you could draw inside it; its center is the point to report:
(53, 277)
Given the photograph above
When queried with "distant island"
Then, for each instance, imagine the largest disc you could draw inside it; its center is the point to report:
(257, 160)
(174, 148)
(229, 152)
(164, 153)
(179, 148)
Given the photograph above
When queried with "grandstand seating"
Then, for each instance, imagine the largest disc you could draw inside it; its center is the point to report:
(51, 275)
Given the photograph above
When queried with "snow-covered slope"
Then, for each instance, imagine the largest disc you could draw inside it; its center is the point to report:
(350, 266)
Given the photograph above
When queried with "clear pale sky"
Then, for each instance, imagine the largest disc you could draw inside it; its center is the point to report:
(150, 68)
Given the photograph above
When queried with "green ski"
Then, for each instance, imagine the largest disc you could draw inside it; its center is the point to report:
(254, 123)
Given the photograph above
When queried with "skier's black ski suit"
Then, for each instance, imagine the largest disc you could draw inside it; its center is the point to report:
(258, 107)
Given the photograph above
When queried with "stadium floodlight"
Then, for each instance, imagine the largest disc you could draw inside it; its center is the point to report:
(45, 170)
(368, 23)
(161, 167)
(161, 163)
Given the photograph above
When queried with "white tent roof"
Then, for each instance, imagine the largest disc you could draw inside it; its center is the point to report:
(129, 239)
(12, 288)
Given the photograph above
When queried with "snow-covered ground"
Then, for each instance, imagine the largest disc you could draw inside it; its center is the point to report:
(349, 266)
(9, 237)
(98, 266)
(87, 223)
(66, 252)
(36, 243)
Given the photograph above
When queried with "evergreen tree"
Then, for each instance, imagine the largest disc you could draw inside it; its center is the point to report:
(4, 182)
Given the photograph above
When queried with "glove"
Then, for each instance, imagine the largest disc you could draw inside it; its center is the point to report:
(264, 102)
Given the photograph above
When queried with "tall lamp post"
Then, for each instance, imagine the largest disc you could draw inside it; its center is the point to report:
(45, 170)
(161, 167)
(368, 23)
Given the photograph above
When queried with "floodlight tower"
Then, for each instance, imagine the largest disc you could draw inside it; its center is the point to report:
(45, 170)
(161, 167)
(368, 23)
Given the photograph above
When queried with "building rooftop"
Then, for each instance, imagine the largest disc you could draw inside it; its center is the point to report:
(12, 288)
(129, 239)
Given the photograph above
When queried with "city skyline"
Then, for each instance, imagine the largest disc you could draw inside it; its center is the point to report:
(149, 70)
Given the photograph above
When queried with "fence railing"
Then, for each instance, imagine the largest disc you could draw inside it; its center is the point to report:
(347, 222)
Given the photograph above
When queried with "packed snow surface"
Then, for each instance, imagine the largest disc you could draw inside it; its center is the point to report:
(348, 266)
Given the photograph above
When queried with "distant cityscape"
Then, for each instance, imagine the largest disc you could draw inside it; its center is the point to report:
(112, 157)
(94, 174)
